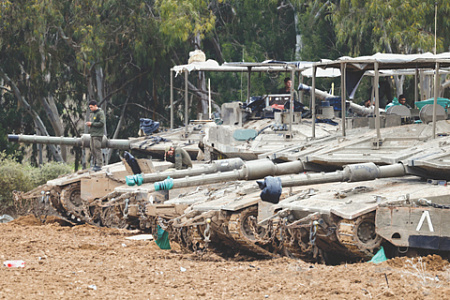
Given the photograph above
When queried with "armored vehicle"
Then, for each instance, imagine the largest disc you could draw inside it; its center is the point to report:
(323, 216)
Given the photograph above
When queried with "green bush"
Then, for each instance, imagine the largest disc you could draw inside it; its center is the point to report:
(23, 177)
(13, 176)
(49, 171)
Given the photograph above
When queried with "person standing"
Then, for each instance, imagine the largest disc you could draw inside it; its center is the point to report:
(96, 131)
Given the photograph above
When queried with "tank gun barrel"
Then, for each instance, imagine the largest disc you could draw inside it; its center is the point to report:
(360, 109)
(83, 141)
(350, 173)
(320, 94)
(216, 166)
(251, 170)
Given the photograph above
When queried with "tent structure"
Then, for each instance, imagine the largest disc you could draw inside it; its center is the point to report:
(379, 64)
(375, 63)
(240, 67)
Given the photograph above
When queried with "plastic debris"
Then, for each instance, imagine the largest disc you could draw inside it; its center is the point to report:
(379, 257)
(6, 218)
(140, 237)
(163, 239)
(182, 269)
(92, 287)
(14, 264)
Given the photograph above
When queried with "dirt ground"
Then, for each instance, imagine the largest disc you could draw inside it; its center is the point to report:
(100, 263)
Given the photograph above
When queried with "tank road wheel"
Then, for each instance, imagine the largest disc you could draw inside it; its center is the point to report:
(72, 203)
(359, 235)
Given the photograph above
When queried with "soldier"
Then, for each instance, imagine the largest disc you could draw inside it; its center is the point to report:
(287, 88)
(402, 101)
(179, 157)
(96, 131)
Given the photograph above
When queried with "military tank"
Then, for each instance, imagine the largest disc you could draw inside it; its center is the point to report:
(243, 222)
(72, 195)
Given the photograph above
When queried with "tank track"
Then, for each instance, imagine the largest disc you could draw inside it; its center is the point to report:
(71, 204)
(107, 211)
(296, 247)
(239, 229)
(359, 236)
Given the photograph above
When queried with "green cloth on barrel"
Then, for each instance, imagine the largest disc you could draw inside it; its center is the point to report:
(162, 239)
(245, 134)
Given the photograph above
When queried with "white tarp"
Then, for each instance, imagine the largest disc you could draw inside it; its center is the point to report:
(390, 60)
(329, 72)
(266, 66)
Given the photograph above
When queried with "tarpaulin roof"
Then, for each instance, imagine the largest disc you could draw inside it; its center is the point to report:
(266, 66)
(389, 61)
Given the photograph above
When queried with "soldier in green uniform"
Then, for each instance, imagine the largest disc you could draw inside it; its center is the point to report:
(179, 157)
(96, 131)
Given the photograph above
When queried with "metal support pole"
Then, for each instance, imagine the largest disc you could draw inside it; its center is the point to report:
(301, 95)
(171, 99)
(416, 86)
(313, 101)
(249, 76)
(436, 93)
(343, 96)
(291, 110)
(186, 103)
(377, 101)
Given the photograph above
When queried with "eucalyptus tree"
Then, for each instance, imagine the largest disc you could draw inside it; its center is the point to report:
(183, 25)
(396, 26)
(58, 54)
(24, 67)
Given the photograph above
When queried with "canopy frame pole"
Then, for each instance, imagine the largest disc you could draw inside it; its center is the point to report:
(313, 101)
(186, 102)
(291, 108)
(436, 93)
(343, 93)
(171, 99)
(249, 85)
(416, 86)
(377, 103)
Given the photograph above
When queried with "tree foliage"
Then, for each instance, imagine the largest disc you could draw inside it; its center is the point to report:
(56, 55)
(390, 26)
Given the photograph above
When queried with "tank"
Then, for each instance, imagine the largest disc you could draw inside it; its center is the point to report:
(325, 216)
(75, 196)
(229, 216)
(144, 208)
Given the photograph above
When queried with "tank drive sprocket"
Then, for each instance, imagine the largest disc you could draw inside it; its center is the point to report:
(359, 235)
(72, 203)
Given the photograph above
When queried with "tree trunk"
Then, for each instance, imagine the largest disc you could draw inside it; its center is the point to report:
(49, 105)
(119, 124)
(40, 125)
(99, 79)
(51, 110)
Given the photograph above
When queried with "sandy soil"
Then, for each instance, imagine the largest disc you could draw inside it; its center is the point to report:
(99, 263)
